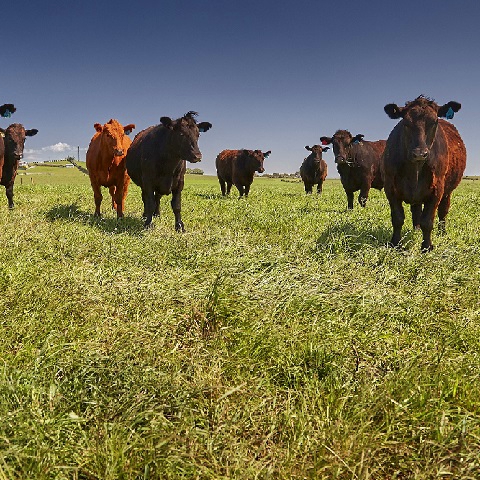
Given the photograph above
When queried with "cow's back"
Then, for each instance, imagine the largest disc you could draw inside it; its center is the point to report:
(224, 164)
(457, 155)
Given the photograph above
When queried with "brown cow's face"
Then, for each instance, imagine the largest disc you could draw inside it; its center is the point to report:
(15, 136)
(420, 121)
(342, 142)
(184, 136)
(113, 136)
(317, 150)
(257, 158)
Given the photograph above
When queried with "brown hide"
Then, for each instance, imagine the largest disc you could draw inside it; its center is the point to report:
(106, 163)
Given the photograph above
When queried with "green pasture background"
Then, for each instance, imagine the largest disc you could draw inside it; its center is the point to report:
(278, 338)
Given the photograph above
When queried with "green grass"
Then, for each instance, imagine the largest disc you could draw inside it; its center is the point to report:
(277, 338)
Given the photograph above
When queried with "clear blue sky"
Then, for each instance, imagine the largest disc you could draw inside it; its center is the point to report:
(268, 74)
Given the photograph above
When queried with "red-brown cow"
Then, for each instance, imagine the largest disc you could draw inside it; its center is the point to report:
(314, 169)
(106, 163)
(424, 161)
(237, 167)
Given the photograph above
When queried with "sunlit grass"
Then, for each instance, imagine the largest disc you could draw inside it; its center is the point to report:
(277, 338)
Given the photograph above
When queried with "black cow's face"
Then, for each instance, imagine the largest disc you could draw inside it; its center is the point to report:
(184, 136)
(419, 124)
(317, 150)
(257, 158)
(15, 136)
(342, 142)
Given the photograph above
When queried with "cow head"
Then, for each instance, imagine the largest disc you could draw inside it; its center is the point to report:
(7, 109)
(419, 123)
(184, 133)
(256, 158)
(317, 150)
(342, 142)
(15, 136)
(113, 137)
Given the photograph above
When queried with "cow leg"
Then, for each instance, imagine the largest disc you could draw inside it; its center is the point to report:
(241, 190)
(416, 210)
(120, 194)
(148, 197)
(176, 204)
(308, 188)
(112, 189)
(97, 195)
(223, 187)
(247, 190)
(426, 224)
(9, 193)
(350, 200)
(398, 217)
(156, 212)
(320, 188)
(229, 187)
(363, 196)
(443, 208)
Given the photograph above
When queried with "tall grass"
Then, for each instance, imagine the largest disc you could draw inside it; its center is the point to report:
(277, 338)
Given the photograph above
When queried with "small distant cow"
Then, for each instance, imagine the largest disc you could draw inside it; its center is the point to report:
(106, 163)
(237, 167)
(424, 162)
(358, 163)
(314, 169)
(7, 109)
(156, 162)
(11, 152)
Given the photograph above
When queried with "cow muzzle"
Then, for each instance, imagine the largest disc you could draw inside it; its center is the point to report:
(195, 158)
(261, 170)
(420, 154)
(118, 152)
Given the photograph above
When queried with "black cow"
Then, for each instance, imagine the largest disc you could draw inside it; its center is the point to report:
(358, 163)
(156, 162)
(238, 167)
(314, 169)
(424, 162)
(11, 152)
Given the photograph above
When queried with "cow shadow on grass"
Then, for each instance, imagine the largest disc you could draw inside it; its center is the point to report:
(351, 237)
(71, 213)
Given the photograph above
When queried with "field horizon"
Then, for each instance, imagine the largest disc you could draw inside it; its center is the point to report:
(277, 338)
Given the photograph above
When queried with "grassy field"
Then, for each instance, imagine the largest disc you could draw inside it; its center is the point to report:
(278, 338)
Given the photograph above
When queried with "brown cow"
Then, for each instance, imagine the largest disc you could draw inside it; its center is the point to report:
(11, 152)
(424, 161)
(106, 163)
(358, 163)
(237, 167)
(314, 169)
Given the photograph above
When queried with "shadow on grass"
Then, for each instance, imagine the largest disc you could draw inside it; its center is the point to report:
(351, 237)
(71, 213)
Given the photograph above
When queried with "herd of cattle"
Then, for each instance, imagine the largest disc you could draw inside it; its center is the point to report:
(421, 163)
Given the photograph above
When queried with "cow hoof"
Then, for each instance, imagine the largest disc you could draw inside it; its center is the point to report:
(180, 227)
(362, 201)
(148, 225)
(426, 249)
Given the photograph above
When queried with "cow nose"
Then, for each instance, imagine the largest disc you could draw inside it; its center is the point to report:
(18, 156)
(118, 152)
(420, 153)
(261, 170)
(339, 159)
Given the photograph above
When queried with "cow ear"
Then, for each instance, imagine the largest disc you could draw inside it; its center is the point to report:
(308, 148)
(326, 140)
(448, 110)
(324, 149)
(2, 131)
(204, 126)
(357, 138)
(98, 127)
(128, 128)
(7, 109)
(266, 154)
(31, 133)
(166, 122)
(394, 111)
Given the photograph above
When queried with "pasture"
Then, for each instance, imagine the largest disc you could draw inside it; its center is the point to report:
(278, 338)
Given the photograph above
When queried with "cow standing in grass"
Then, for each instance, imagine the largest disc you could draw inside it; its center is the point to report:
(106, 163)
(11, 152)
(238, 167)
(314, 169)
(424, 162)
(156, 162)
(359, 164)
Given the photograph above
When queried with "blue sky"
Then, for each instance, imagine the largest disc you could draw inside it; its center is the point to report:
(268, 74)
